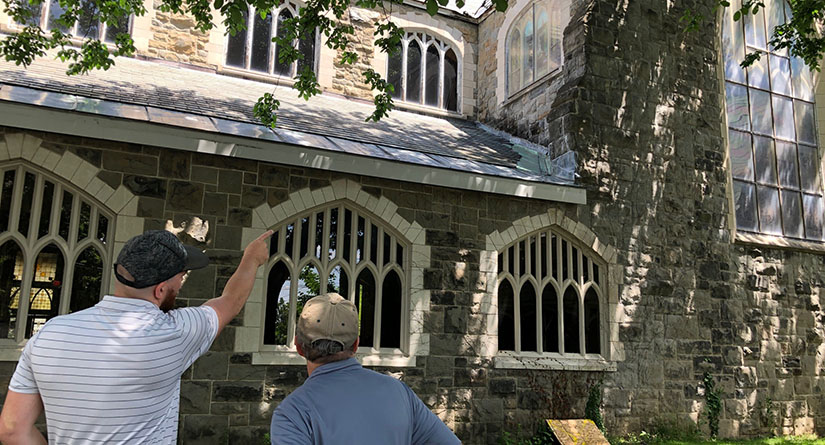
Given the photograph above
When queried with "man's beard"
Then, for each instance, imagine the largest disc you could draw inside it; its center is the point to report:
(168, 302)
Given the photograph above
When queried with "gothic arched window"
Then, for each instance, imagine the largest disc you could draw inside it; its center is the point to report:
(253, 48)
(54, 247)
(534, 43)
(425, 71)
(775, 162)
(559, 302)
(338, 248)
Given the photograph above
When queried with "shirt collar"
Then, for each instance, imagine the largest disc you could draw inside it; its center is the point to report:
(126, 304)
(335, 366)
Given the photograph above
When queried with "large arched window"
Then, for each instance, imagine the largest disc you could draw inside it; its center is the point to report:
(550, 298)
(775, 163)
(253, 49)
(534, 43)
(338, 248)
(46, 13)
(54, 248)
(425, 71)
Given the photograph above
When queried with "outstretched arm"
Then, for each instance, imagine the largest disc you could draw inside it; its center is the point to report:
(17, 420)
(237, 289)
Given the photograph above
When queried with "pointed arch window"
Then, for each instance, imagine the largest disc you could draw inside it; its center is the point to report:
(338, 248)
(559, 307)
(253, 49)
(534, 43)
(772, 135)
(46, 13)
(54, 246)
(425, 71)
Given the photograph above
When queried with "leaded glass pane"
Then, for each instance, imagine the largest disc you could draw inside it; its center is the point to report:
(527, 305)
(394, 74)
(55, 11)
(542, 41)
(744, 198)
(26, 205)
(570, 309)
(506, 317)
(761, 112)
(391, 311)
(46, 209)
(35, 11)
(306, 46)
(792, 214)
(736, 99)
(770, 220)
(805, 125)
(87, 280)
(781, 75)
(787, 164)
(592, 340)
(813, 210)
(261, 39)
(236, 46)
(6, 198)
(120, 27)
(741, 156)
(46, 287)
(765, 156)
(87, 25)
(277, 305)
(809, 166)
(527, 48)
(758, 74)
(803, 80)
(755, 31)
(433, 74)
(365, 301)
(282, 68)
(549, 319)
(783, 117)
(11, 274)
(450, 81)
(734, 47)
(514, 62)
(413, 72)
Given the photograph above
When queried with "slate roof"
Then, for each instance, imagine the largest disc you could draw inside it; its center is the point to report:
(174, 95)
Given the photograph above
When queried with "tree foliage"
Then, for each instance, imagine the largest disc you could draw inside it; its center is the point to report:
(801, 35)
(329, 17)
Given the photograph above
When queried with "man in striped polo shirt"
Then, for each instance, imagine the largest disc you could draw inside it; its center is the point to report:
(111, 373)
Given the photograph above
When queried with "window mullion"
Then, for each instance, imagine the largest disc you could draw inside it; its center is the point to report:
(376, 325)
(441, 53)
(539, 294)
(324, 257)
(37, 204)
(423, 77)
(17, 199)
(404, 46)
(29, 263)
(272, 51)
(293, 301)
(68, 276)
(250, 28)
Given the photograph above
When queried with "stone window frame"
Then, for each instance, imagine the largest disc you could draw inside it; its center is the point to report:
(610, 307)
(249, 335)
(733, 77)
(75, 38)
(78, 175)
(503, 48)
(425, 38)
(351, 267)
(293, 8)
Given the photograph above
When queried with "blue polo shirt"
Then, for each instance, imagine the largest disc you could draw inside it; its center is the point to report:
(343, 403)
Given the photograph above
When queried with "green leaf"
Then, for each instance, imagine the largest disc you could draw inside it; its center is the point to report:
(432, 7)
(218, 4)
(501, 5)
(443, 2)
(724, 3)
(737, 15)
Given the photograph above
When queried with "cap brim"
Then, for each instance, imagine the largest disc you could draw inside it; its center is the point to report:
(195, 259)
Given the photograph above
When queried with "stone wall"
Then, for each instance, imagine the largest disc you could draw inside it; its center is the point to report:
(643, 111)
(208, 200)
(173, 37)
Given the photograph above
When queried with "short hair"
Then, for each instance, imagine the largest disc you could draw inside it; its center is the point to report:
(323, 350)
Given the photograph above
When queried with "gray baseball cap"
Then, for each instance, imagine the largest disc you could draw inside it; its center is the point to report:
(156, 256)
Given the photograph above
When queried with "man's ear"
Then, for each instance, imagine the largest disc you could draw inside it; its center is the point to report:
(298, 347)
(355, 345)
(157, 292)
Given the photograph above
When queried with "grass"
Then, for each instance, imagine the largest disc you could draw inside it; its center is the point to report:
(797, 440)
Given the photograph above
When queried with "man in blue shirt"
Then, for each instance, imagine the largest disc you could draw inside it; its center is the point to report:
(341, 402)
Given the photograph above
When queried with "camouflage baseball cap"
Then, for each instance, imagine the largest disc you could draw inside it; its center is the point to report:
(156, 256)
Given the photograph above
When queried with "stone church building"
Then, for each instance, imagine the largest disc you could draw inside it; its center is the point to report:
(568, 193)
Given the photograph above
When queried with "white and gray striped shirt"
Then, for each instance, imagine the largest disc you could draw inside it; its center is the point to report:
(111, 373)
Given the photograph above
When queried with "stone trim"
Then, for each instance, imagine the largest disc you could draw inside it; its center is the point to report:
(81, 175)
(249, 336)
(498, 240)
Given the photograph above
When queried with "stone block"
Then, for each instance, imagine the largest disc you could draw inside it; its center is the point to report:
(195, 397)
(130, 163)
(211, 366)
(204, 429)
(175, 164)
(230, 181)
(185, 196)
(237, 391)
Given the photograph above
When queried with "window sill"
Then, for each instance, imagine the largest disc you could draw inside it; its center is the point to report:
(388, 359)
(532, 86)
(10, 350)
(425, 109)
(779, 242)
(276, 79)
(527, 360)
